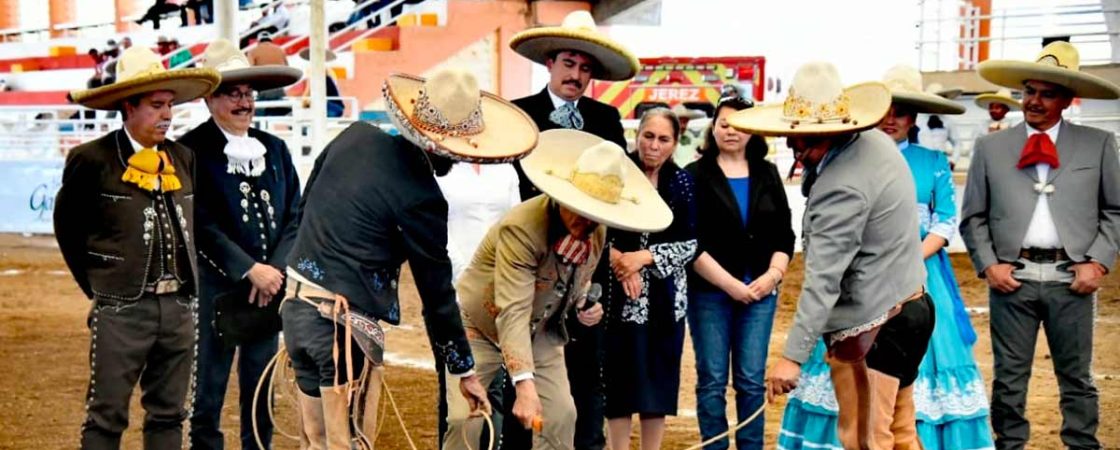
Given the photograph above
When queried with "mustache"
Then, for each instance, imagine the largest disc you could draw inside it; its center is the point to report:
(164, 124)
(242, 110)
(575, 83)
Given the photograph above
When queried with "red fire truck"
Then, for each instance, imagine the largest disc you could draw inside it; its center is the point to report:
(695, 82)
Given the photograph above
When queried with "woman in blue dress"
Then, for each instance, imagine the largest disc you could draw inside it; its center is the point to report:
(950, 403)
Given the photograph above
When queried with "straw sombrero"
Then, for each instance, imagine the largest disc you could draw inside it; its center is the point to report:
(305, 54)
(1003, 96)
(685, 112)
(949, 93)
(905, 83)
(817, 105)
(1058, 63)
(594, 178)
(140, 71)
(578, 32)
(448, 115)
(223, 56)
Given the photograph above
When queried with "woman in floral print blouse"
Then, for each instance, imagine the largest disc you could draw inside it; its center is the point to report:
(646, 294)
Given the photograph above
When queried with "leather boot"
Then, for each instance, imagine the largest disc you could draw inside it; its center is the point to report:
(336, 416)
(312, 431)
(853, 397)
(884, 393)
(366, 407)
(905, 428)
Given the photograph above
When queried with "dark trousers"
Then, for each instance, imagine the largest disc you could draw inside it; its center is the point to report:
(215, 360)
(309, 339)
(150, 340)
(1067, 319)
(902, 341)
(583, 357)
(157, 11)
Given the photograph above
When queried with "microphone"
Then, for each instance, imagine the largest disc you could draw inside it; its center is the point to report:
(593, 295)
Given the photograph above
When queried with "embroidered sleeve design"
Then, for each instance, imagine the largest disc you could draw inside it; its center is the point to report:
(670, 258)
(311, 268)
(456, 361)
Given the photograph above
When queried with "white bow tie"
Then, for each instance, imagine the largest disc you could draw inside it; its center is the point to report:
(245, 155)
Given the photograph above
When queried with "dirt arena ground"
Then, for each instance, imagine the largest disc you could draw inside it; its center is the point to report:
(44, 344)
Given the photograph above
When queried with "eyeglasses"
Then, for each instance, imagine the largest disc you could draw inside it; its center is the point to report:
(237, 96)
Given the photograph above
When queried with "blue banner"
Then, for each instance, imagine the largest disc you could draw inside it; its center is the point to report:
(27, 190)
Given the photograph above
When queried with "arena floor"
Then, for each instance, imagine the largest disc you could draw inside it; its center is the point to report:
(44, 345)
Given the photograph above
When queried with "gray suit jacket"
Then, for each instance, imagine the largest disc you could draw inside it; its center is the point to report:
(999, 198)
(862, 249)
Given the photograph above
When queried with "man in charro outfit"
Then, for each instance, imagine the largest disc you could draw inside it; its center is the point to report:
(575, 52)
(371, 203)
(123, 219)
(246, 201)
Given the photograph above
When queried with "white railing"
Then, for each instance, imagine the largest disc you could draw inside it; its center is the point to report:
(48, 132)
(949, 32)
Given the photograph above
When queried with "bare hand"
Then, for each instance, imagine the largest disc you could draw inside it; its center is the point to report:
(741, 293)
(999, 278)
(630, 263)
(475, 394)
(782, 378)
(591, 316)
(266, 278)
(527, 407)
(763, 286)
(632, 286)
(1086, 277)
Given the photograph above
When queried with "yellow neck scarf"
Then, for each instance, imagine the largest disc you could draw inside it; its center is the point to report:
(151, 170)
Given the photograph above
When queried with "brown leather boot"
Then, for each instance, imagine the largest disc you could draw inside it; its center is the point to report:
(336, 416)
(853, 396)
(884, 393)
(366, 407)
(905, 428)
(312, 432)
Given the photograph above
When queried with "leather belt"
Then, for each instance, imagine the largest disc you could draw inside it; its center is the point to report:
(163, 287)
(1043, 255)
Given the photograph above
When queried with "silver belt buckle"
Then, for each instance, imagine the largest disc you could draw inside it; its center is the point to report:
(167, 287)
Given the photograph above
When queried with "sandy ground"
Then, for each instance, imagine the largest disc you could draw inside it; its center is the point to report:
(44, 363)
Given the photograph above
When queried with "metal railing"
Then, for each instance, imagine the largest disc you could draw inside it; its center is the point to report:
(949, 31)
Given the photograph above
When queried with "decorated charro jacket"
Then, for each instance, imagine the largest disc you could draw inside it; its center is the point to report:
(516, 289)
(117, 238)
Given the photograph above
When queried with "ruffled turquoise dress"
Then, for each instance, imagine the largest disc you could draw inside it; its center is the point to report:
(949, 394)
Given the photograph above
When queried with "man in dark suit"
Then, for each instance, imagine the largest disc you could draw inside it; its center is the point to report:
(574, 53)
(123, 219)
(246, 204)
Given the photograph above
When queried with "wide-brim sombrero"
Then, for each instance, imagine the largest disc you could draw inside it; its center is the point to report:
(225, 57)
(140, 71)
(578, 32)
(905, 84)
(1058, 63)
(509, 132)
(868, 103)
(1002, 97)
(551, 165)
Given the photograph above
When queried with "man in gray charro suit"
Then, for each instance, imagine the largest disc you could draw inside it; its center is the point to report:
(864, 272)
(1041, 219)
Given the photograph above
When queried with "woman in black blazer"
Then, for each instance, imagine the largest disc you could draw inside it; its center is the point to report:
(745, 244)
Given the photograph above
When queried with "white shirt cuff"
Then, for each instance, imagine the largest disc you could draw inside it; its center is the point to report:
(521, 377)
(462, 375)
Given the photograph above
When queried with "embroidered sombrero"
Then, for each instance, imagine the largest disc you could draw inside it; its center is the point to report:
(1003, 96)
(223, 56)
(594, 178)
(817, 104)
(1058, 63)
(448, 115)
(905, 83)
(140, 71)
(578, 32)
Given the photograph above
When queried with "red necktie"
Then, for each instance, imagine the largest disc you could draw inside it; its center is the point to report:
(1039, 149)
(572, 250)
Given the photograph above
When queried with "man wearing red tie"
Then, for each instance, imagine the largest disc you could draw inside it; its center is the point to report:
(1041, 219)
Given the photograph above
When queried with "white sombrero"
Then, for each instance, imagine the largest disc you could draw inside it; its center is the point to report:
(1003, 97)
(817, 104)
(448, 115)
(594, 178)
(140, 71)
(578, 32)
(1058, 63)
(223, 56)
(905, 83)
(685, 112)
(949, 93)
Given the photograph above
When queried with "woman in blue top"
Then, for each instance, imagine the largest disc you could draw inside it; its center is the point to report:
(949, 406)
(745, 242)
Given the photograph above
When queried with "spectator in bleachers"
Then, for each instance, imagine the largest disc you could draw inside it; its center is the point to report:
(203, 11)
(335, 107)
(156, 11)
(268, 53)
(126, 42)
(273, 19)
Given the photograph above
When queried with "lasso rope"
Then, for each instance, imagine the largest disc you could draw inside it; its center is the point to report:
(282, 355)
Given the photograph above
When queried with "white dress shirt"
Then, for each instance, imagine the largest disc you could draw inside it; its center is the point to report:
(475, 202)
(557, 102)
(1041, 232)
